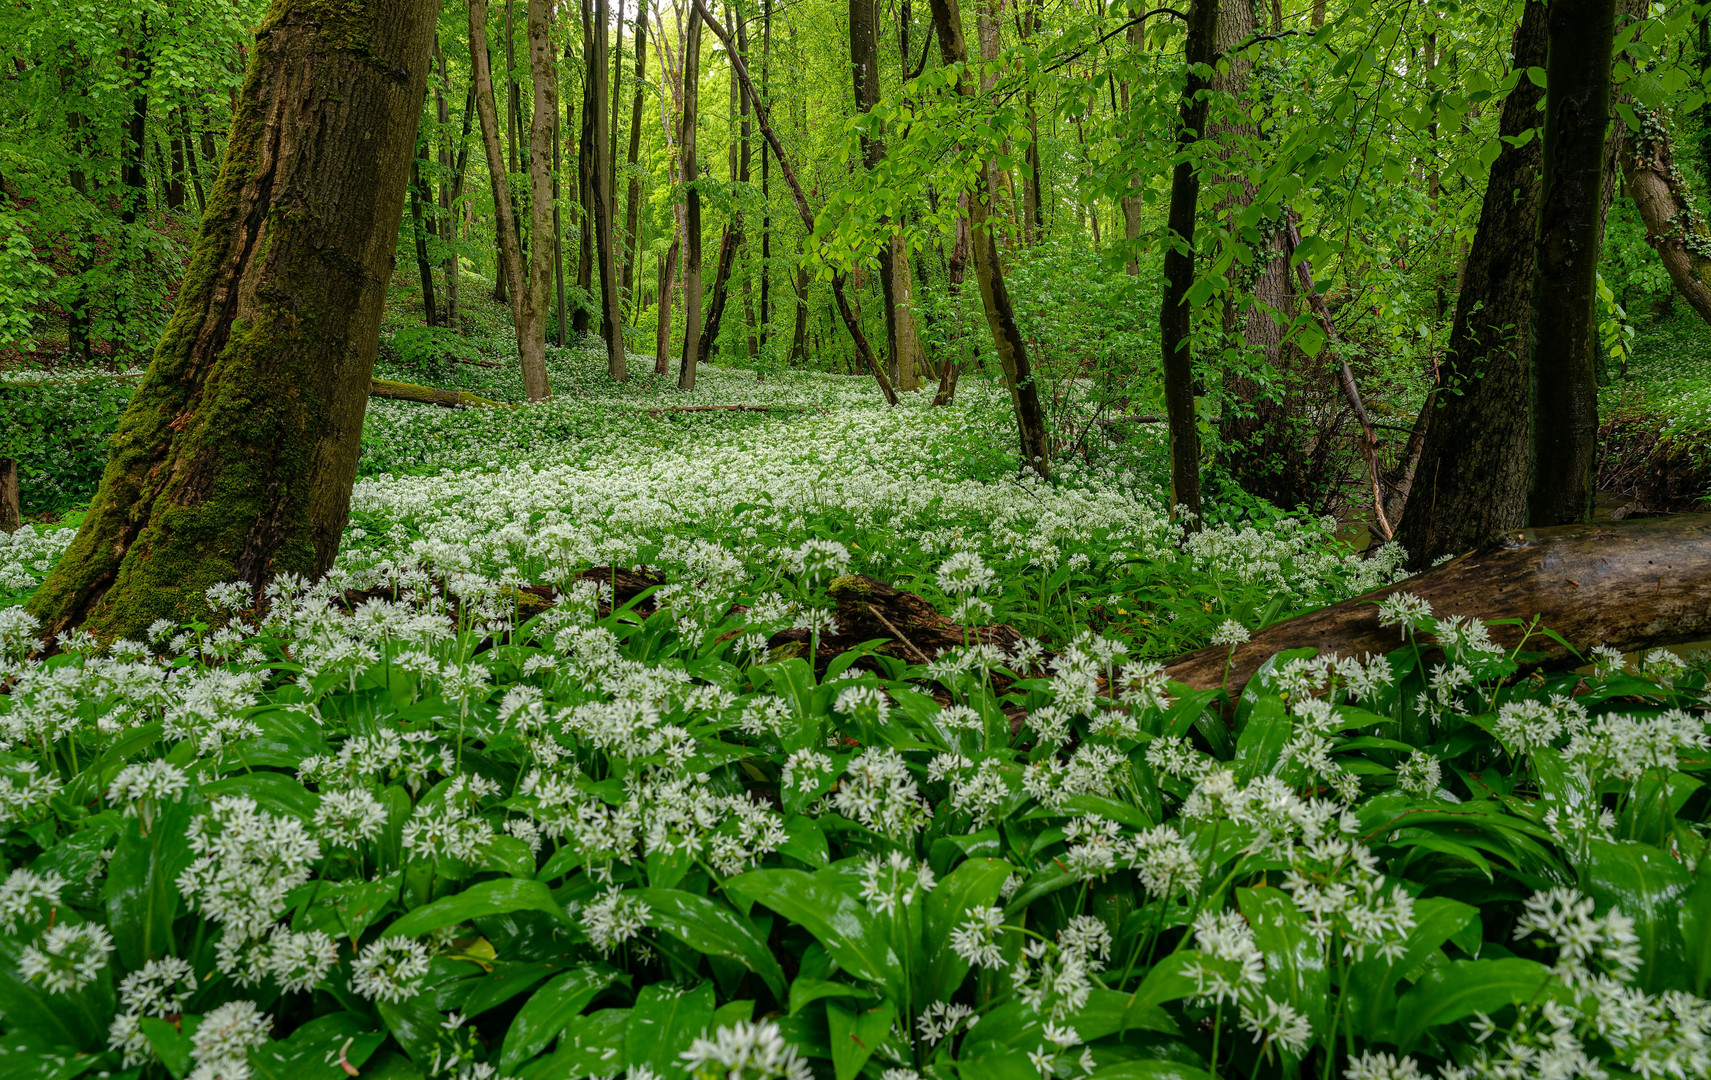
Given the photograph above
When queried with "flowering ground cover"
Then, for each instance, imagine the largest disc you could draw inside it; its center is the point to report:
(410, 821)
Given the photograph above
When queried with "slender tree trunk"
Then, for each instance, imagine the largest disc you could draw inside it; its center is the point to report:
(450, 166)
(1131, 204)
(1564, 375)
(526, 313)
(584, 214)
(1677, 232)
(956, 266)
(1007, 340)
(667, 285)
(11, 510)
(596, 151)
(190, 162)
(234, 460)
(133, 178)
(1471, 483)
(175, 188)
(731, 239)
(766, 178)
(633, 185)
(691, 172)
(561, 328)
(799, 336)
(424, 269)
(1176, 317)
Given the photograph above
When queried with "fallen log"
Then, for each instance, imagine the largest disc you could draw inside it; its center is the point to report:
(869, 608)
(432, 395)
(1631, 585)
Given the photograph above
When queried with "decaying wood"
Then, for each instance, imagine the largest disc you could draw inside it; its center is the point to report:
(868, 609)
(11, 514)
(432, 395)
(1633, 585)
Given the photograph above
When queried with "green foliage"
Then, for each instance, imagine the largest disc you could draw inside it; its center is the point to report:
(57, 426)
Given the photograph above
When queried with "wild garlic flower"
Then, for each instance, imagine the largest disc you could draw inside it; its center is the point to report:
(894, 882)
(246, 862)
(66, 958)
(1587, 943)
(614, 918)
(1164, 861)
(965, 573)
(390, 969)
(976, 939)
(1230, 633)
(221, 1045)
(1379, 1065)
(1405, 610)
(878, 791)
(28, 897)
(940, 1020)
(158, 989)
(348, 817)
(1420, 774)
(1276, 1022)
(746, 1051)
(446, 829)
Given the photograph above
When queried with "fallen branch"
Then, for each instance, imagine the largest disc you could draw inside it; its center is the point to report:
(432, 395)
(1632, 586)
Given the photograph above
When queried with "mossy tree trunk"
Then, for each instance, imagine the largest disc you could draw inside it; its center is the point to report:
(235, 459)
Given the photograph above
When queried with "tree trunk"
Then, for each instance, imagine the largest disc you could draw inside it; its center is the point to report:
(11, 512)
(799, 336)
(451, 179)
(1673, 228)
(527, 312)
(995, 297)
(432, 395)
(1471, 482)
(175, 175)
(667, 286)
(956, 265)
(1564, 370)
(1632, 586)
(633, 186)
(731, 240)
(234, 460)
(691, 172)
(596, 152)
(424, 269)
(765, 182)
(863, 354)
(1176, 318)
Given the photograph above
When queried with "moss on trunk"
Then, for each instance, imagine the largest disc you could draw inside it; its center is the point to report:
(235, 459)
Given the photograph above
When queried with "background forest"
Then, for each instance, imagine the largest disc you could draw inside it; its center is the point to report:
(827, 540)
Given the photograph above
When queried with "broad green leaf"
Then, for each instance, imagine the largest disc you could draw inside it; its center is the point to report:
(1461, 988)
(664, 1021)
(1647, 885)
(1260, 743)
(837, 921)
(1150, 1069)
(505, 982)
(170, 1044)
(314, 1050)
(806, 991)
(142, 883)
(711, 927)
(974, 884)
(417, 1026)
(592, 1045)
(277, 793)
(856, 1035)
(1371, 990)
(549, 1010)
(1694, 918)
(1295, 971)
(497, 897)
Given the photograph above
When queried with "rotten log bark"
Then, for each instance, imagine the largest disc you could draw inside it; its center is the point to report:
(1635, 585)
(432, 395)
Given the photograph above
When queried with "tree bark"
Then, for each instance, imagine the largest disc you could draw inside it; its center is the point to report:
(1564, 370)
(731, 239)
(1175, 318)
(1632, 586)
(431, 395)
(1471, 482)
(234, 460)
(633, 186)
(995, 297)
(424, 269)
(1673, 228)
(527, 310)
(11, 512)
(667, 286)
(596, 152)
(691, 173)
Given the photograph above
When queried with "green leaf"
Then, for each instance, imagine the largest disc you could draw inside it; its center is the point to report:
(1295, 971)
(417, 1026)
(1371, 990)
(807, 991)
(277, 793)
(171, 1044)
(505, 982)
(549, 1010)
(664, 1021)
(1648, 885)
(856, 1035)
(1694, 918)
(712, 928)
(976, 883)
(142, 883)
(1148, 1069)
(313, 1051)
(1461, 988)
(592, 1045)
(500, 896)
(840, 924)
(1260, 743)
